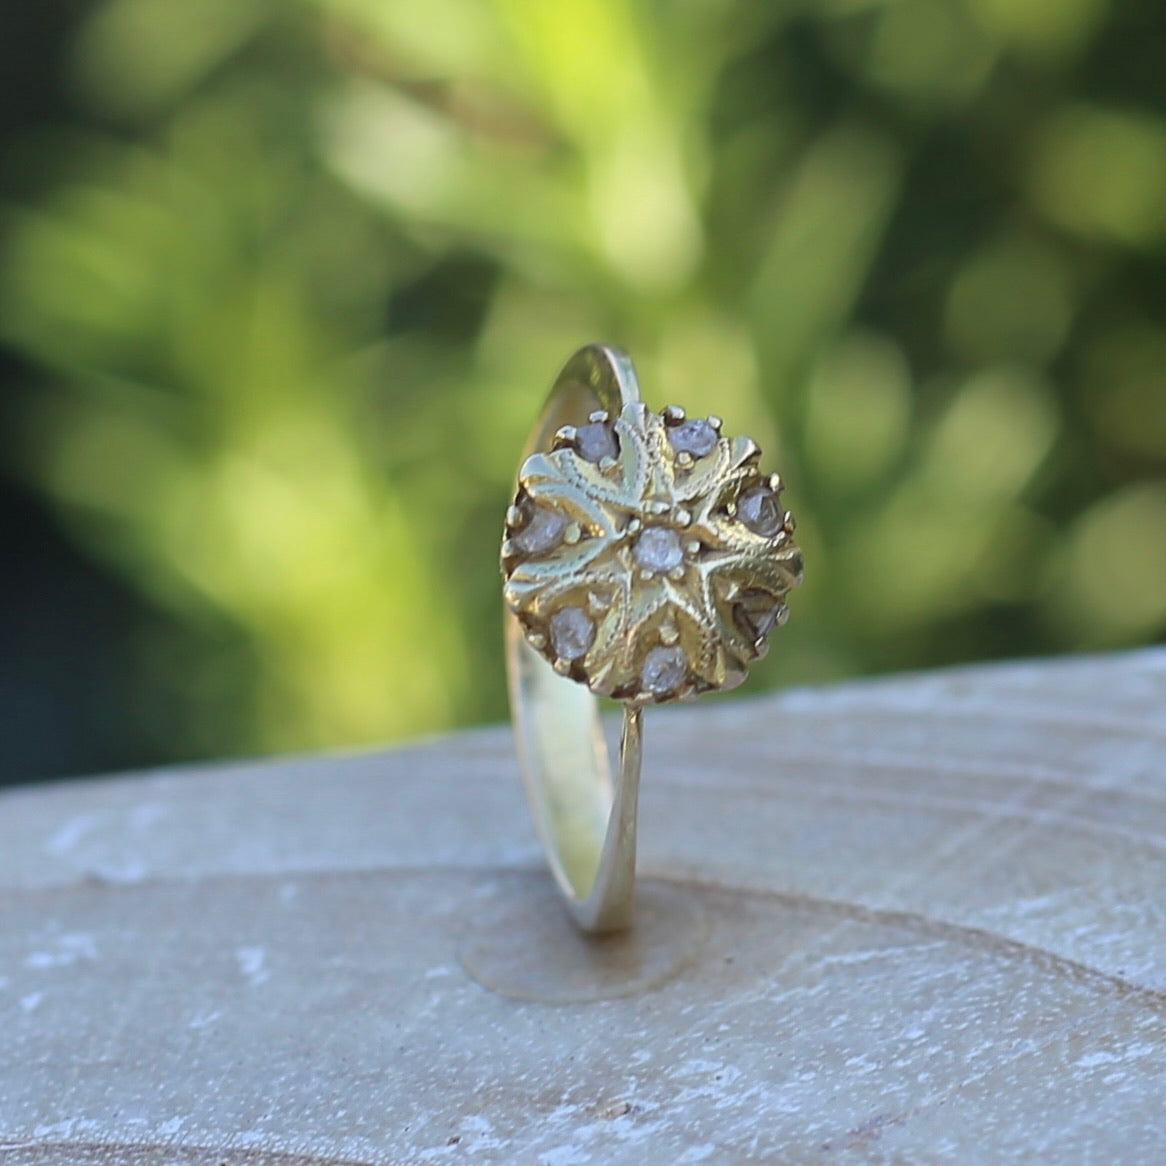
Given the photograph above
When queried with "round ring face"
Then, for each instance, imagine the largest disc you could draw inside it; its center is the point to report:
(647, 556)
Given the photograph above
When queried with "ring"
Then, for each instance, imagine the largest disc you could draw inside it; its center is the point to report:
(645, 558)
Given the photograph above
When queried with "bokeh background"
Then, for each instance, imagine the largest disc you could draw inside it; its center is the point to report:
(282, 285)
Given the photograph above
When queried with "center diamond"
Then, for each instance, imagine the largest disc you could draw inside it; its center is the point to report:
(658, 549)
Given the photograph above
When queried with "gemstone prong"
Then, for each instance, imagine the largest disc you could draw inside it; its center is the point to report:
(747, 451)
(597, 604)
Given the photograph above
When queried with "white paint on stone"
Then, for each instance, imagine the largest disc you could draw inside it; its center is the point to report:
(121, 869)
(704, 1152)
(66, 836)
(251, 965)
(567, 1156)
(69, 949)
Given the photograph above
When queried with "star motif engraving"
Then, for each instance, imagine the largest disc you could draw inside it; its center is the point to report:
(647, 556)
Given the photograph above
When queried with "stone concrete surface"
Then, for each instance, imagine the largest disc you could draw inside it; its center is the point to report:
(920, 919)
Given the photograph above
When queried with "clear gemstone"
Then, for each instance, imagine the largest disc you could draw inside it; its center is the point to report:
(696, 437)
(543, 530)
(760, 511)
(757, 617)
(572, 633)
(596, 441)
(664, 669)
(658, 549)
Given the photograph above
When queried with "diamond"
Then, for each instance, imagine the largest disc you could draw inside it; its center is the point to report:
(658, 549)
(596, 441)
(757, 614)
(696, 437)
(572, 633)
(543, 530)
(759, 510)
(663, 670)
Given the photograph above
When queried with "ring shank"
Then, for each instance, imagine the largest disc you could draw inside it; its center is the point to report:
(587, 825)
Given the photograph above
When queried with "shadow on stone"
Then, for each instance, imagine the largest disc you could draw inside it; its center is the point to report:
(522, 944)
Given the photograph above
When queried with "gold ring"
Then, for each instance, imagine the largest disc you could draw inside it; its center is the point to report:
(645, 558)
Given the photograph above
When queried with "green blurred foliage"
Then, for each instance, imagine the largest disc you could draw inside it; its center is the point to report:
(301, 273)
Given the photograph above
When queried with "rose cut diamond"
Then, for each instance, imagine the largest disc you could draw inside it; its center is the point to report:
(572, 633)
(696, 437)
(758, 617)
(595, 442)
(543, 530)
(759, 510)
(658, 549)
(663, 670)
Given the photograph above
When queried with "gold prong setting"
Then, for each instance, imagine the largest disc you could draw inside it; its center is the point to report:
(687, 561)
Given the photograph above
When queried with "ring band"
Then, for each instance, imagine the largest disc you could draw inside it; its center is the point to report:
(645, 558)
